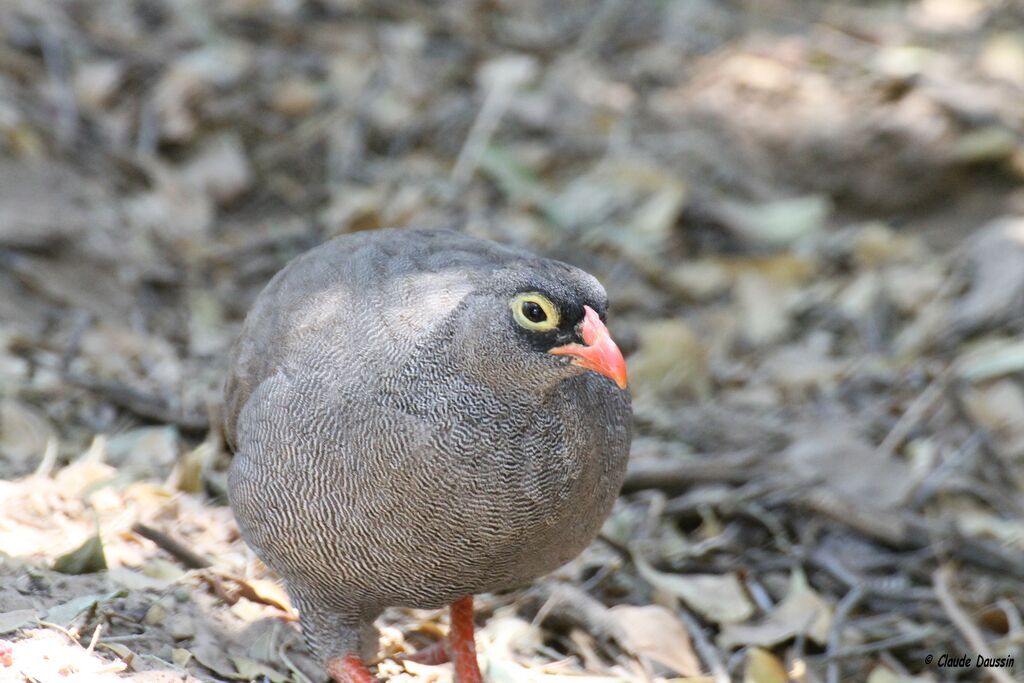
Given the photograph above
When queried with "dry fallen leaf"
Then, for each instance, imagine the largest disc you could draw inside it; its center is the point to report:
(251, 670)
(883, 674)
(998, 407)
(24, 434)
(16, 619)
(653, 631)
(996, 271)
(777, 223)
(719, 597)
(763, 310)
(85, 559)
(848, 466)
(763, 667)
(802, 611)
(263, 591)
(991, 359)
(221, 169)
(671, 362)
(64, 613)
(136, 581)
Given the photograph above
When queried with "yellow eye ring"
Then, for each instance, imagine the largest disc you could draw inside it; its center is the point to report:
(534, 311)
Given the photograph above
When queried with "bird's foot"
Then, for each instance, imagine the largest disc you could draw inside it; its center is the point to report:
(459, 648)
(461, 643)
(349, 669)
(438, 653)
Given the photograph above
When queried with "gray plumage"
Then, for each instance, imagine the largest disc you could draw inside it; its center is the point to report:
(401, 441)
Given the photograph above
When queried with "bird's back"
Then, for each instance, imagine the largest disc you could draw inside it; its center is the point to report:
(382, 289)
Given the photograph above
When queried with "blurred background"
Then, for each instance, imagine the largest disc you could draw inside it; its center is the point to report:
(809, 217)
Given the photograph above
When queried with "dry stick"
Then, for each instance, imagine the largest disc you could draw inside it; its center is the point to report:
(846, 605)
(176, 548)
(872, 522)
(95, 638)
(575, 608)
(928, 486)
(885, 644)
(303, 678)
(55, 57)
(705, 649)
(600, 26)
(920, 406)
(49, 458)
(1013, 618)
(963, 623)
(675, 475)
(497, 99)
(141, 404)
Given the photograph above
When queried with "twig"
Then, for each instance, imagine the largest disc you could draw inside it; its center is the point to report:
(885, 644)
(930, 484)
(303, 678)
(674, 475)
(759, 593)
(771, 522)
(176, 548)
(771, 492)
(846, 605)
(143, 405)
(963, 623)
(128, 637)
(81, 320)
(705, 649)
(95, 637)
(917, 410)
(61, 629)
(603, 22)
(566, 604)
(871, 522)
(49, 458)
(66, 106)
(507, 79)
(894, 586)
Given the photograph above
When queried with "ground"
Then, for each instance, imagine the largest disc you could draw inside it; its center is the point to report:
(810, 220)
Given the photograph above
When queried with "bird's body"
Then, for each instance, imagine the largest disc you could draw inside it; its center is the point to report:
(389, 452)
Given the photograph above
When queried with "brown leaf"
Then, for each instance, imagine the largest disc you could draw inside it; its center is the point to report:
(671, 361)
(653, 631)
(996, 255)
(719, 597)
(24, 434)
(764, 667)
(802, 611)
(263, 591)
(849, 467)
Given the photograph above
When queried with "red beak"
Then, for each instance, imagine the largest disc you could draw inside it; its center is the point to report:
(597, 352)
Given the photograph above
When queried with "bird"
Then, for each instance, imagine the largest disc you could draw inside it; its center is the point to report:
(417, 417)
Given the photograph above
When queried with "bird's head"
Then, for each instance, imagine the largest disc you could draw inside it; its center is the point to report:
(541, 321)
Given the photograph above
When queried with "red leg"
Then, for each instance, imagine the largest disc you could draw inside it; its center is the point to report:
(463, 647)
(438, 653)
(349, 669)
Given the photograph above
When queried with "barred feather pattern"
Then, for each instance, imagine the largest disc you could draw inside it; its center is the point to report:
(399, 442)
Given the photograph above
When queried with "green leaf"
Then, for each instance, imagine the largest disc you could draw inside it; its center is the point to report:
(86, 559)
(65, 613)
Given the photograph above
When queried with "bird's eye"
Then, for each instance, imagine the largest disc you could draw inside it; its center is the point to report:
(534, 312)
